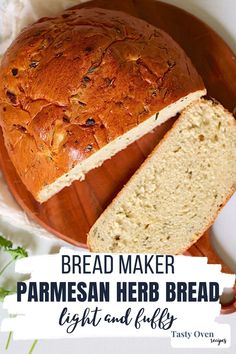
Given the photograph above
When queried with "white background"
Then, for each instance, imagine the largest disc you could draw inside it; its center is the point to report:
(221, 15)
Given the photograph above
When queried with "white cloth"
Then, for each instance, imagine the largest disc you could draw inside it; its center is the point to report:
(12, 214)
(16, 14)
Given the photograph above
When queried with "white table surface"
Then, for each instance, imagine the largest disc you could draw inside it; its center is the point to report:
(220, 15)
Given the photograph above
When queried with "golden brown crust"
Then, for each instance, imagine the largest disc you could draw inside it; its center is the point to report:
(71, 84)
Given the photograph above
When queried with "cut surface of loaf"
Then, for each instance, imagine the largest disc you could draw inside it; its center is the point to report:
(178, 191)
(77, 88)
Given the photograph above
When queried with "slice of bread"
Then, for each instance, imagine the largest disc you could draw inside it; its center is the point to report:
(178, 191)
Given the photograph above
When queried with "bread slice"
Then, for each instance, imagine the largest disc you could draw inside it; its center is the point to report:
(178, 191)
(77, 88)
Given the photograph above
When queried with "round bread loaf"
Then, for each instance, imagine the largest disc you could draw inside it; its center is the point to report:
(77, 88)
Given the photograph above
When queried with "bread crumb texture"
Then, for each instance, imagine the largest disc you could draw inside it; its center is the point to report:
(176, 195)
(69, 85)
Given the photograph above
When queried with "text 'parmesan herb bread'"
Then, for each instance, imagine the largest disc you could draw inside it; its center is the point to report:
(176, 194)
(78, 88)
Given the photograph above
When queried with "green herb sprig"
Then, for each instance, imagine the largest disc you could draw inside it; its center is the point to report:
(15, 253)
(7, 246)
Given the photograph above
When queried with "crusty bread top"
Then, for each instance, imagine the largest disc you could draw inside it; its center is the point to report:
(73, 83)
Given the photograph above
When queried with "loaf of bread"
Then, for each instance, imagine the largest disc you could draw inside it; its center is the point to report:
(178, 191)
(78, 88)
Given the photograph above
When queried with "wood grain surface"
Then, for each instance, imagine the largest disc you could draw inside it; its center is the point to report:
(71, 213)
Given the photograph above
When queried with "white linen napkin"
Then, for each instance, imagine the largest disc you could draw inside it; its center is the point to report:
(16, 14)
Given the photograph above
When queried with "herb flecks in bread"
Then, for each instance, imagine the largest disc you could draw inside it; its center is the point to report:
(77, 88)
(178, 191)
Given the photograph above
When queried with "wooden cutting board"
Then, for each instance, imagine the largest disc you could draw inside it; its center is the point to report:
(70, 214)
